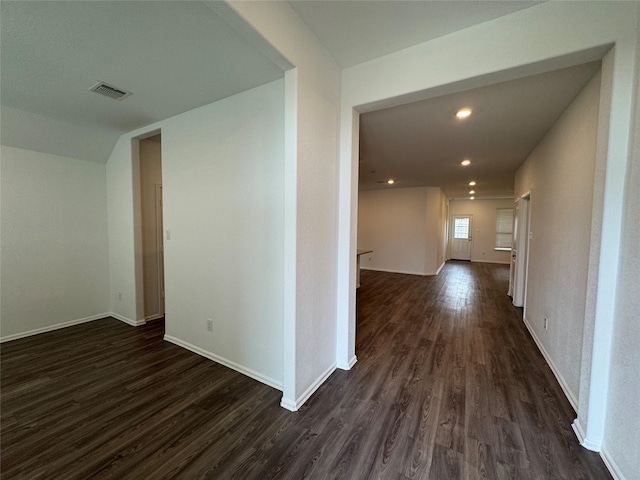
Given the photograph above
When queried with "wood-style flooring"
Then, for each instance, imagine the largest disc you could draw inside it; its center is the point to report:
(448, 385)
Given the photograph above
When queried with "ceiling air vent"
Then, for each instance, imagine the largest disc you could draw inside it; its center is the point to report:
(109, 91)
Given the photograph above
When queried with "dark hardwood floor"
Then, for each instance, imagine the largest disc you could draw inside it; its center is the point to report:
(448, 385)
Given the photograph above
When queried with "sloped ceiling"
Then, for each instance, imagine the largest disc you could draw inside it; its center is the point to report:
(173, 56)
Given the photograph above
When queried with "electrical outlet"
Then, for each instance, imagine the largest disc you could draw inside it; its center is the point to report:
(209, 325)
(546, 323)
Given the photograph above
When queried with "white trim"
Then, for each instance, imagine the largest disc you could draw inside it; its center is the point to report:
(51, 328)
(611, 465)
(579, 431)
(352, 361)
(403, 272)
(288, 404)
(128, 321)
(489, 261)
(591, 445)
(226, 362)
(565, 388)
(608, 460)
(153, 317)
(441, 267)
(295, 406)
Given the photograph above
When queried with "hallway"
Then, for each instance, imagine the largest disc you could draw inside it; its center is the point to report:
(448, 385)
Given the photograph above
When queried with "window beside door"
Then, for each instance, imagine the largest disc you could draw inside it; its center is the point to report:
(504, 228)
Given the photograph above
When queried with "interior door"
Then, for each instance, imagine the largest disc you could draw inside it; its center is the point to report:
(461, 237)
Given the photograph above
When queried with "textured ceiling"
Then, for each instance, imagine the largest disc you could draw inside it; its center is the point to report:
(423, 143)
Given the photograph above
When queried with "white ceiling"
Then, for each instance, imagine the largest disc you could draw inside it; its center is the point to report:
(178, 55)
(357, 31)
(173, 55)
(423, 143)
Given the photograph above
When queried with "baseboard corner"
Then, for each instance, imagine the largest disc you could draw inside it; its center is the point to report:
(295, 406)
(349, 365)
(288, 404)
(578, 430)
(128, 321)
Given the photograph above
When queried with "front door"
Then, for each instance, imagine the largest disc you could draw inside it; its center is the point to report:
(461, 237)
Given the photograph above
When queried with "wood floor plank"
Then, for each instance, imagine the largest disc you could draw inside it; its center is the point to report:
(448, 385)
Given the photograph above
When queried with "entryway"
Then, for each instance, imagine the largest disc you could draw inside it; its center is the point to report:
(152, 226)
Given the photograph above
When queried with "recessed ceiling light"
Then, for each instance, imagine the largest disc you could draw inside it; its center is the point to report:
(391, 181)
(465, 162)
(463, 113)
(471, 192)
(472, 198)
(472, 183)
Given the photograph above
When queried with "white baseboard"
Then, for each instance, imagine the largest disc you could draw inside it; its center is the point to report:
(563, 384)
(440, 267)
(154, 317)
(349, 365)
(226, 362)
(51, 328)
(288, 404)
(490, 261)
(582, 437)
(422, 274)
(610, 463)
(294, 406)
(578, 430)
(128, 321)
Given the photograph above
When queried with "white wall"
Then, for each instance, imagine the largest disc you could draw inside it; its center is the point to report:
(122, 251)
(54, 242)
(559, 173)
(312, 92)
(622, 438)
(436, 224)
(484, 227)
(402, 227)
(223, 175)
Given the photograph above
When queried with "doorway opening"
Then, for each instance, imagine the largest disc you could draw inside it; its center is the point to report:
(151, 218)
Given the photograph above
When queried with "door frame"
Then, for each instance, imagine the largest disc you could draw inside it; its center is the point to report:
(522, 241)
(451, 230)
(160, 248)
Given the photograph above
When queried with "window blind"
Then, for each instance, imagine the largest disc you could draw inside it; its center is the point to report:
(504, 227)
